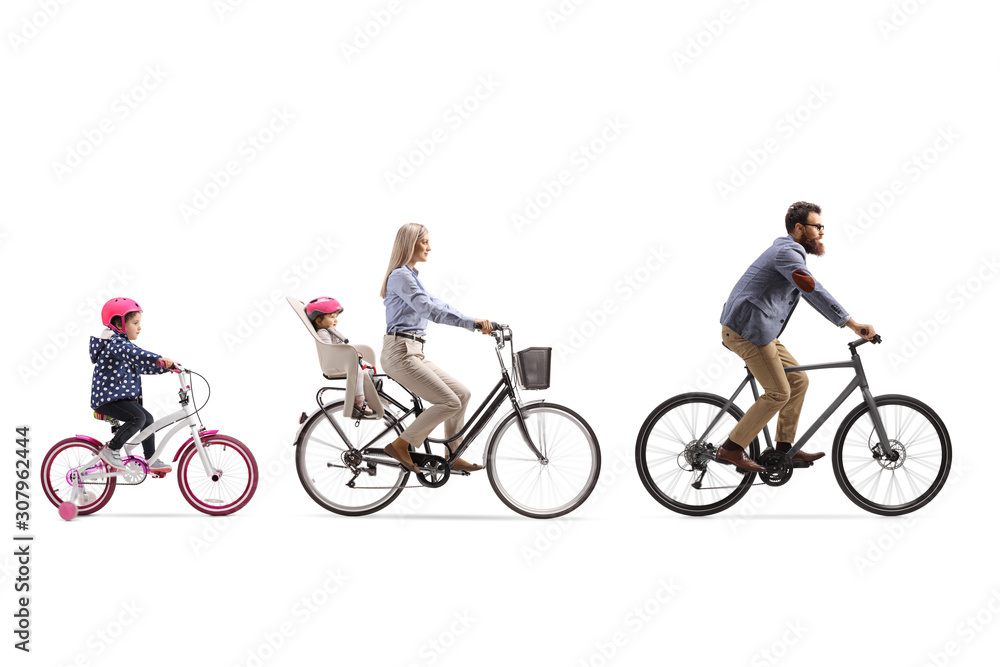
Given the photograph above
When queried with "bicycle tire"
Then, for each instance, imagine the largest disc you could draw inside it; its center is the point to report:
(722, 474)
(53, 474)
(851, 438)
(234, 486)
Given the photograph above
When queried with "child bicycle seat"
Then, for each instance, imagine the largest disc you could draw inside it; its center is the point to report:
(340, 362)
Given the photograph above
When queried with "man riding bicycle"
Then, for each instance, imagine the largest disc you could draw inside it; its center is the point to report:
(757, 311)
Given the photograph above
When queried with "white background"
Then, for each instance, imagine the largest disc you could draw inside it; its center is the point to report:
(858, 588)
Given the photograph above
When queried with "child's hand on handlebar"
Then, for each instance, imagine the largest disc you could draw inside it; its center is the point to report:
(166, 362)
(484, 325)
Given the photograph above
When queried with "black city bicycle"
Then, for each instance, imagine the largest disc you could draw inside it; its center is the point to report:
(891, 454)
(542, 459)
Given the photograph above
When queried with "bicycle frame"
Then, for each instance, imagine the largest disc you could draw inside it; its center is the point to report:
(858, 381)
(186, 416)
(504, 389)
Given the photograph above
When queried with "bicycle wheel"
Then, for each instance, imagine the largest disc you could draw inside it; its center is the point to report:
(551, 487)
(65, 457)
(671, 456)
(322, 457)
(230, 482)
(880, 485)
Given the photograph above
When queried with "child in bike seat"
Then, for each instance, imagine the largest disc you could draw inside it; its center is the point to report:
(116, 390)
(323, 312)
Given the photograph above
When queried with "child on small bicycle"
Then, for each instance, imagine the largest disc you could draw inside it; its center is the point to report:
(116, 390)
(323, 312)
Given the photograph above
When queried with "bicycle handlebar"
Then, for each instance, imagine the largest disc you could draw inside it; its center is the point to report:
(876, 339)
(493, 325)
(176, 368)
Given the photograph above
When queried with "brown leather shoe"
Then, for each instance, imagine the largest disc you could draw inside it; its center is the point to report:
(806, 457)
(402, 454)
(739, 459)
(464, 466)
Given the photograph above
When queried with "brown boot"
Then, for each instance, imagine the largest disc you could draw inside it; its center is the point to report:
(738, 458)
(399, 449)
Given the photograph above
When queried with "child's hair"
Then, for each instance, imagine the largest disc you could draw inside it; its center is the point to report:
(116, 321)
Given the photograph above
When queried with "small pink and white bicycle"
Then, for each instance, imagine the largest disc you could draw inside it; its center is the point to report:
(216, 473)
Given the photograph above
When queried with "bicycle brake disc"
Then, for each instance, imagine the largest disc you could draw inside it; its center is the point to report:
(778, 467)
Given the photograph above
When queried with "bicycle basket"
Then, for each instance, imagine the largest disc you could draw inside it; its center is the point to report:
(533, 366)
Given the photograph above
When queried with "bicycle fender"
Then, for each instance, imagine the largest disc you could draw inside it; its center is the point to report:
(190, 443)
(86, 438)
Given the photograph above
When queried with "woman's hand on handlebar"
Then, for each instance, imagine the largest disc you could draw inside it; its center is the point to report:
(866, 331)
(484, 325)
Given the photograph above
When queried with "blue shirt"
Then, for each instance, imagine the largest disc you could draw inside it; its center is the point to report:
(408, 306)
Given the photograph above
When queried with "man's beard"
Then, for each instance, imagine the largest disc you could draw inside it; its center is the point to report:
(813, 247)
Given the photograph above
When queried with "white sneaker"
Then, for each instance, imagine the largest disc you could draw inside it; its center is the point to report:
(158, 466)
(112, 458)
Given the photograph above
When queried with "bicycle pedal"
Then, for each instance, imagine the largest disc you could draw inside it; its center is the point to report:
(802, 464)
(158, 475)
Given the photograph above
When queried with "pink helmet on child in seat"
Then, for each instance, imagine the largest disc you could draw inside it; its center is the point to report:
(322, 305)
(118, 307)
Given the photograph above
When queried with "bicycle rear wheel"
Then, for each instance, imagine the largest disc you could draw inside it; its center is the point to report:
(880, 485)
(62, 462)
(323, 460)
(562, 480)
(670, 455)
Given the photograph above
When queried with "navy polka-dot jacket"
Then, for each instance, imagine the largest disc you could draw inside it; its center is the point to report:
(117, 365)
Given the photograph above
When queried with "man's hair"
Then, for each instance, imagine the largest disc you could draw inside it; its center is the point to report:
(798, 213)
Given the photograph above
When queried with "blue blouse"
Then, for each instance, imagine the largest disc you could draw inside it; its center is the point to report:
(408, 306)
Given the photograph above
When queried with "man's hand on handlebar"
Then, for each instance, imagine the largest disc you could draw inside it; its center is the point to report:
(484, 325)
(866, 331)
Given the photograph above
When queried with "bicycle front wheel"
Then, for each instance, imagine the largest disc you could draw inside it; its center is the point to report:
(227, 485)
(672, 456)
(63, 463)
(559, 481)
(874, 482)
(324, 460)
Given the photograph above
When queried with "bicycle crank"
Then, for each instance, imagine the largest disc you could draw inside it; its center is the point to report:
(778, 467)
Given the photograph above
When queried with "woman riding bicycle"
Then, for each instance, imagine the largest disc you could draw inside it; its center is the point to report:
(408, 307)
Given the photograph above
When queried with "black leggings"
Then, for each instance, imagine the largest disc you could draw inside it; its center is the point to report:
(133, 418)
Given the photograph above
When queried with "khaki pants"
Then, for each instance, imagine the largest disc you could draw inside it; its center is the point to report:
(783, 392)
(403, 359)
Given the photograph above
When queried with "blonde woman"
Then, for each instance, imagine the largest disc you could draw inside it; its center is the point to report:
(408, 307)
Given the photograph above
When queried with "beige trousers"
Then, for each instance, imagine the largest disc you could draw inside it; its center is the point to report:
(403, 359)
(783, 392)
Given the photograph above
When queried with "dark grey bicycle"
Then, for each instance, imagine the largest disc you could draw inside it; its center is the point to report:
(891, 454)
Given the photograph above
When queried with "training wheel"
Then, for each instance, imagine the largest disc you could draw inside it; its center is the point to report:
(67, 510)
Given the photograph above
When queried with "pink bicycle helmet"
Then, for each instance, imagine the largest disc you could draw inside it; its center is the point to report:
(118, 307)
(322, 305)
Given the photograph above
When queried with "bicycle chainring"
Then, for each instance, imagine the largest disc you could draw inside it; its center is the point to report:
(135, 471)
(434, 470)
(778, 467)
